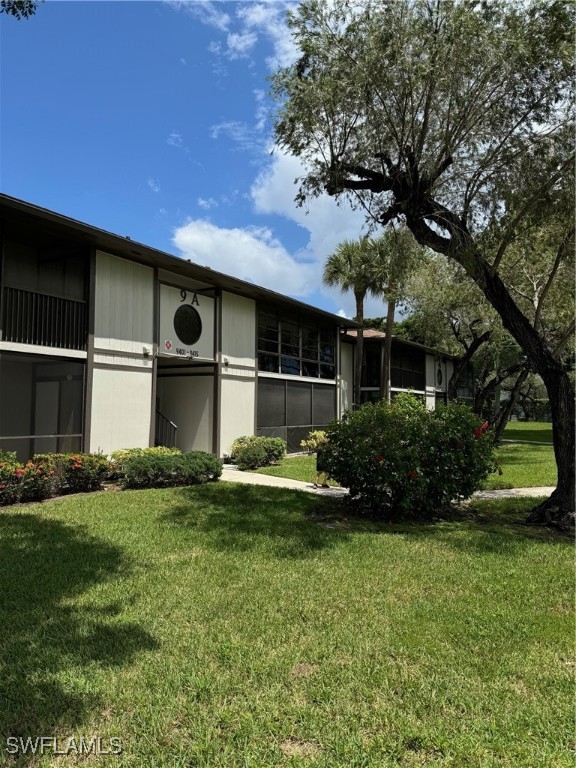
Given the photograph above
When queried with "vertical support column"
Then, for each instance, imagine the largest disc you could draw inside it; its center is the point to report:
(155, 343)
(1, 279)
(216, 412)
(89, 372)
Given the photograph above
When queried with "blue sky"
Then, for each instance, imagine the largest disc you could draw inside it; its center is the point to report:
(153, 120)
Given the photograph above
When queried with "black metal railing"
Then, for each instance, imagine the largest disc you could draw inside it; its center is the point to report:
(165, 431)
(38, 318)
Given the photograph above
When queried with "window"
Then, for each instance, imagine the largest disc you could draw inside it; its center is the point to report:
(295, 345)
(408, 369)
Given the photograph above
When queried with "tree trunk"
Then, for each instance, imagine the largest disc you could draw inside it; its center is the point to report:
(387, 352)
(461, 363)
(559, 508)
(503, 414)
(359, 351)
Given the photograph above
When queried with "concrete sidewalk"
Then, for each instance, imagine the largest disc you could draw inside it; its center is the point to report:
(231, 473)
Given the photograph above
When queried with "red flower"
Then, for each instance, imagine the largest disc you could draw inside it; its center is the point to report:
(412, 473)
(484, 426)
(478, 432)
(379, 458)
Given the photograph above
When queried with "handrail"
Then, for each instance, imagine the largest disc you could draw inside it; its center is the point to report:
(166, 431)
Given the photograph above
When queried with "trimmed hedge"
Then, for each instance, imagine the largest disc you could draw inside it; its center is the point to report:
(52, 474)
(399, 459)
(119, 458)
(163, 469)
(250, 452)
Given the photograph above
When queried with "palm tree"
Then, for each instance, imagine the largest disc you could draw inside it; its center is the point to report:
(393, 255)
(350, 268)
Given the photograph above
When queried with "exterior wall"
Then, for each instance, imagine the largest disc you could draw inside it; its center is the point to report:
(237, 414)
(124, 315)
(238, 330)
(346, 380)
(188, 401)
(121, 408)
(237, 410)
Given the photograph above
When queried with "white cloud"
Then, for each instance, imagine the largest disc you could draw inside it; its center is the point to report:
(240, 43)
(246, 137)
(252, 254)
(326, 223)
(207, 12)
(154, 185)
(270, 20)
(175, 139)
(207, 203)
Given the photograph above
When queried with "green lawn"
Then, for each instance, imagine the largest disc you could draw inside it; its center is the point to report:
(229, 626)
(523, 466)
(536, 431)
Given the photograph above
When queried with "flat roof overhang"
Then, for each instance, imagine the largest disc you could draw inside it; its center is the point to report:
(20, 212)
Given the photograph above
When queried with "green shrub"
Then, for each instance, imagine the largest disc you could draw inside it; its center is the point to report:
(10, 481)
(163, 469)
(38, 481)
(119, 458)
(8, 457)
(401, 459)
(316, 439)
(75, 472)
(250, 452)
(251, 456)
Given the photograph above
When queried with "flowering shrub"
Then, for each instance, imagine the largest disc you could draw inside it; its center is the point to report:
(157, 470)
(75, 472)
(316, 439)
(37, 481)
(10, 479)
(401, 459)
(250, 452)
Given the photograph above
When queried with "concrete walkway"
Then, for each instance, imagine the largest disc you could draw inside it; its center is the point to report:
(232, 474)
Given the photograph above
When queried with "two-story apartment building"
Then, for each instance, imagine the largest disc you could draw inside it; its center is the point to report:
(106, 343)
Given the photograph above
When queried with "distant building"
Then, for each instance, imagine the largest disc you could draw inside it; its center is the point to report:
(106, 343)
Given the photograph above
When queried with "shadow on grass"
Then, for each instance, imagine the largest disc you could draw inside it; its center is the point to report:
(483, 527)
(44, 637)
(285, 523)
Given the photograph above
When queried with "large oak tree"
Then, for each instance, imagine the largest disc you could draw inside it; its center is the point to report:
(456, 117)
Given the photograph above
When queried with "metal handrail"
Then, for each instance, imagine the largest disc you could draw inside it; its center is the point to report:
(166, 431)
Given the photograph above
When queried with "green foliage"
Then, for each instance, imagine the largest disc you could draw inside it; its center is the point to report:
(316, 439)
(119, 458)
(75, 472)
(10, 481)
(20, 9)
(250, 452)
(9, 457)
(157, 469)
(401, 459)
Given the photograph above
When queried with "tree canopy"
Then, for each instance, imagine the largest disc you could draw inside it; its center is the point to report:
(20, 9)
(455, 116)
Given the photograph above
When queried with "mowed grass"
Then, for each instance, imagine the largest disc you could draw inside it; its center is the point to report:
(534, 431)
(523, 466)
(233, 626)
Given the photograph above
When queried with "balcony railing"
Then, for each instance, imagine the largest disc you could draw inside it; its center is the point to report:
(49, 321)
